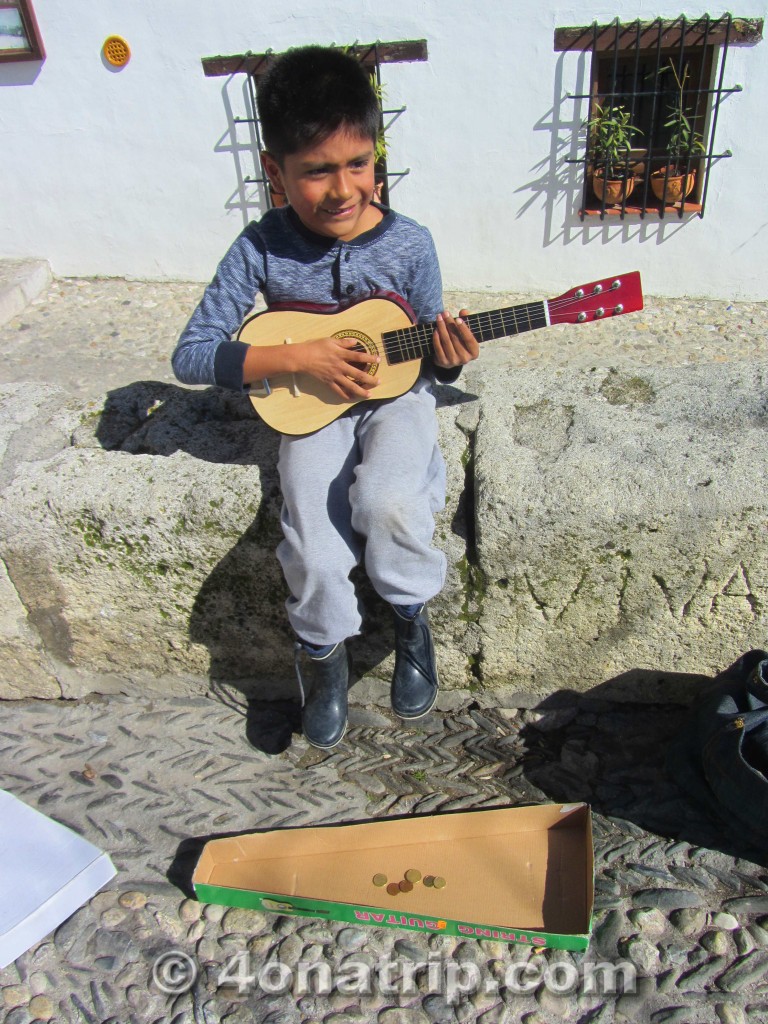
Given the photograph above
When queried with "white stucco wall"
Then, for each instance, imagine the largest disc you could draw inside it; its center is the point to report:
(134, 173)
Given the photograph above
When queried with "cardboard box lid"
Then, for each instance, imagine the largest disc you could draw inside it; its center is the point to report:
(46, 873)
(527, 867)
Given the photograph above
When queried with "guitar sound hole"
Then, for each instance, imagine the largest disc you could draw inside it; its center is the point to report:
(362, 344)
(370, 369)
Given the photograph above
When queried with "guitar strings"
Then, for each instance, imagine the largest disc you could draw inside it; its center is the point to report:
(416, 340)
(492, 320)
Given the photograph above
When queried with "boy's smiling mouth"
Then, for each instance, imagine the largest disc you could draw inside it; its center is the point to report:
(339, 211)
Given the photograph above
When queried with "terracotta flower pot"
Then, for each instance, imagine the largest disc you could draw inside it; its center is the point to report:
(677, 187)
(614, 189)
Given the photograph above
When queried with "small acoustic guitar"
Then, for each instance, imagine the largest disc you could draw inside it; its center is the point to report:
(297, 403)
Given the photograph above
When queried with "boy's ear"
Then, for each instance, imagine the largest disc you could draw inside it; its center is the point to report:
(272, 171)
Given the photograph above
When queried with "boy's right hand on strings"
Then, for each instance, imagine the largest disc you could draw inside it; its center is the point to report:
(339, 363)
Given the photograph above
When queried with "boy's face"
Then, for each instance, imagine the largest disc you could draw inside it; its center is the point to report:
(329, 185)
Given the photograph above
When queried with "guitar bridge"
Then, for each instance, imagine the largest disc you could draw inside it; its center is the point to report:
(294, 386)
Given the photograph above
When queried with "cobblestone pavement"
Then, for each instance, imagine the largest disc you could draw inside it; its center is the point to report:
(148, 781)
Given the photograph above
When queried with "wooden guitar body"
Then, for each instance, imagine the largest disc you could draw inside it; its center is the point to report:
(300, 404)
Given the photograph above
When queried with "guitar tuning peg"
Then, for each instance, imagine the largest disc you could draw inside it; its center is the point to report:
(618, 309)
(580, 318)
(615, 284)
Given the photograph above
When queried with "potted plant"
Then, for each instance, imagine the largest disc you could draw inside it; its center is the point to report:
(610, 134)
(380, 146)
(379, 160)
(675, 180)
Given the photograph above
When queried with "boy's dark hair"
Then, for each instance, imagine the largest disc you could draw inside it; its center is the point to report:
(309, 93)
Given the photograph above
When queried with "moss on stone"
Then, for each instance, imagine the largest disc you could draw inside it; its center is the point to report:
(621, 389)
(474, 586)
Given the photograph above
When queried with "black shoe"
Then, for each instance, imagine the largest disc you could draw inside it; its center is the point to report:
(324, 714)
(414, 683)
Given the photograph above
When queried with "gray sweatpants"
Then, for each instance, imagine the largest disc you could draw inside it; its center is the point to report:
(367, 485)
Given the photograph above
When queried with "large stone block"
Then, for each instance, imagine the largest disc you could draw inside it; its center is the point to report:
(621, 525)
(599, 526)
(25, 668)
(141, 554)
(32, 425)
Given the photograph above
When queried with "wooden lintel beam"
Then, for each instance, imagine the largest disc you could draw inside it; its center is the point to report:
(745, 31)
(257, 63)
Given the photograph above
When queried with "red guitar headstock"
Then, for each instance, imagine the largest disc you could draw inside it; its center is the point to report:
(598, 300)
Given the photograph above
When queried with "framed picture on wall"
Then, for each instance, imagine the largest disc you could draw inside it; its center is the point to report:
(19, 35)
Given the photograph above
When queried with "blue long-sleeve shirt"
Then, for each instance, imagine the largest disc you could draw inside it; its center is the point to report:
(285, 262)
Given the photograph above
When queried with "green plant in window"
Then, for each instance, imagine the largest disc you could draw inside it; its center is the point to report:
(611, 135)
(676, 180)
(380, 146)
(684, 141)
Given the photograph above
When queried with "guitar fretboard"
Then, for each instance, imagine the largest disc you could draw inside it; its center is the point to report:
(416, 342)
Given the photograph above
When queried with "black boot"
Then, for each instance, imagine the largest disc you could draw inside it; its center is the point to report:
(414, 683)
(324, 714)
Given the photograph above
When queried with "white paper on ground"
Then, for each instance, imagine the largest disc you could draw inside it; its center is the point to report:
(46, 873)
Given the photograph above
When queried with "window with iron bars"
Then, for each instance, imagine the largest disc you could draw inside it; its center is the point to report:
(655, 94)
(370, 55)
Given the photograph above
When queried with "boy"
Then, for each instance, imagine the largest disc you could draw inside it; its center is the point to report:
(367, 485)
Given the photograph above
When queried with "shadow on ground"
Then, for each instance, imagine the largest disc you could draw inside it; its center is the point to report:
(613, 755)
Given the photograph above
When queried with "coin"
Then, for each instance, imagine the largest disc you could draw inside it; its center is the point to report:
(379, 879)
(393, 889)
(429, 880)
(405, 885)
(412, 875)
(439, 882)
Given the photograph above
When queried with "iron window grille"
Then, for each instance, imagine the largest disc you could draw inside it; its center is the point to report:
(651, 73)
(370, 55)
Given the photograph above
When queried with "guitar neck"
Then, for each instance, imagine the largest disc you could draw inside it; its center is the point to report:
(416, 342)
(597, 300)
(504, 323)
